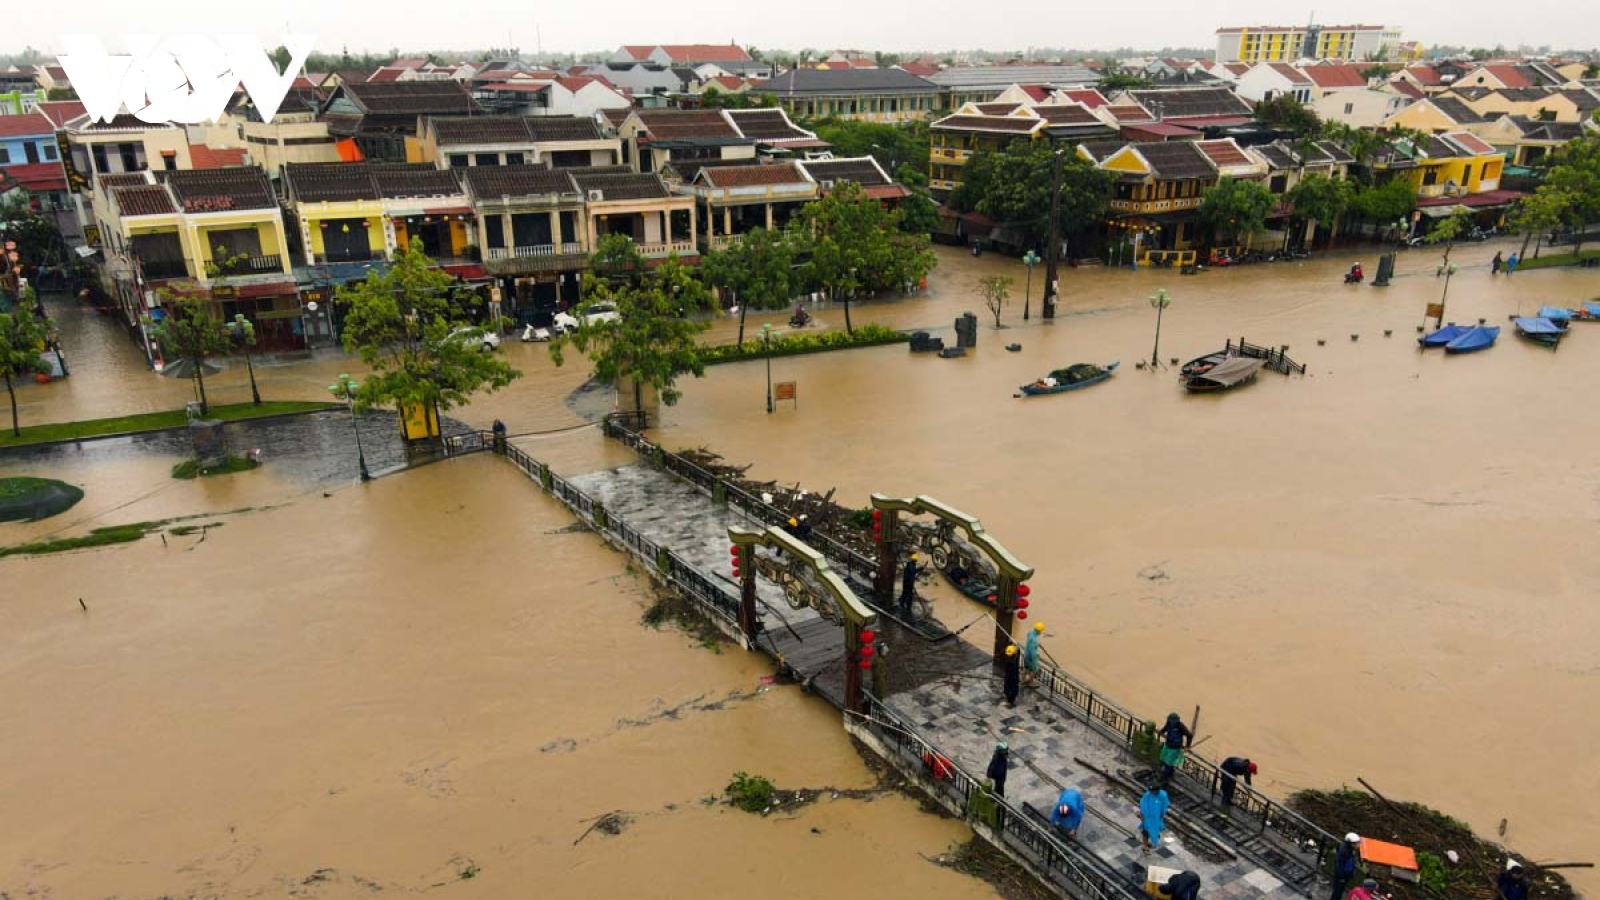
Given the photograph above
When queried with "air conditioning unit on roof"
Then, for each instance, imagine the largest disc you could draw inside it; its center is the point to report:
(596, 196)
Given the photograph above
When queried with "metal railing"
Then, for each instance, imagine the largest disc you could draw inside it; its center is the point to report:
(1045, 855)
(679, 247)
(565, 249)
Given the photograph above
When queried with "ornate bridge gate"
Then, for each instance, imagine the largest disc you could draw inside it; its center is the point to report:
(992, 569)
(807, 583)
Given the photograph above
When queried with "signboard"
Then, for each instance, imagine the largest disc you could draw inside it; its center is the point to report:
(787, 390)
(1435, 311)
(75, 180)
(418, 422)
(91, 235)
(314, 295)
(224, 292)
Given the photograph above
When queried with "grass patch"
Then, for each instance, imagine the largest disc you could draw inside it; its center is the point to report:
(751, 793)
(31, 499)
(871, 335)
(1557, 259)
(231, 412)
(190, 468)
(110, 534)
(13, 488)
(183, 530)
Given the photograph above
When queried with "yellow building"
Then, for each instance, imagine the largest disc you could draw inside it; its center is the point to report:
(1451, 165)
(1436, 114)
(1156, 196)
(990, 127)
(1278, 43)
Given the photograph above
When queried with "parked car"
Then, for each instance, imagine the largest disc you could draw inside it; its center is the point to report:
(488, 339)
(596, 313)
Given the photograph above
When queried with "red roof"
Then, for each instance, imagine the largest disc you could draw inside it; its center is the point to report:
(578, 83)
(751, 176)
(1470, 142)
(60, 112)
(1510, 76)
(1157, 131)
(1487, 198)
(1425, 75)
(203, 157)
(731, 82)
(24, 125)
(689, 52)
(1289, 73)
(408, 63)
(1335, 76)
(1088, 97)
(1407, 89)
(386, 75)
(886, 191)
(528, 87)
(36, 177)
(918, 69)
(1038, 93)
(1224, 153)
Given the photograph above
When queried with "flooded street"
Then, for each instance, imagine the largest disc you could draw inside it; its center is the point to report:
(1383, 569)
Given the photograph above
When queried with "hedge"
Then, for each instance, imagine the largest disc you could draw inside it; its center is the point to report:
(1559, 259)
(796, 344)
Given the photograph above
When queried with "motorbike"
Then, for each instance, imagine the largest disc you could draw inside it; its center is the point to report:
(1413, 241)
(800, 319)
(1354, 276)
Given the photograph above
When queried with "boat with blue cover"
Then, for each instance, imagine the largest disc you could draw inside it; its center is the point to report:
(1480, 338)
(1539, 330)
(1589, 313)
(1557, 316)
(1444, 335)
(1071, 378)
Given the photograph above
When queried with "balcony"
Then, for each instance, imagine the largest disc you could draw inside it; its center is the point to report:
(949, 154)
(655, 251)
(570, 248)
(1172, 204)
(248, 265)
(164, 268)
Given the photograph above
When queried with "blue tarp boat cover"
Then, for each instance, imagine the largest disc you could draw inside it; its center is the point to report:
(1593, 308)
(1539, 325)
(1475, 339)
(1444, 335)
(1555, 313)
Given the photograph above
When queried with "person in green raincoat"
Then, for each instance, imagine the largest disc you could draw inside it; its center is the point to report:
(1030, 653)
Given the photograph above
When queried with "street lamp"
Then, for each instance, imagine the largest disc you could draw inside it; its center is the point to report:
(1449, 270)
(346, 390)
(1029, 259)
(1160, 301)
(766, 343)
(243, 332)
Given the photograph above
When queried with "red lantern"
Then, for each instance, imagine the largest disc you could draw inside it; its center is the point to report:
(868, 637)
(1022, 614)
(1022, 603)
(877, 514)
(866, 664)
(991, 598)
(1023, 590)
(734, 549)
(867, 651)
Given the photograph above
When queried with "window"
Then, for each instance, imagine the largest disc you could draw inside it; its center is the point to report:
(31, 151)
(458, 160)
(50, 152)
(487, 159)
(100, 164)
(1349, 108)
(513, 159)
(5, 156)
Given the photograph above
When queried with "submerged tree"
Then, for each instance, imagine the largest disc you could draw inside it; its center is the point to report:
(1237, 208)
(856, 245)
(757, 270)
(1013, 187)
(190, 331)
(22, 337)
(1318, 198)
(995, 289)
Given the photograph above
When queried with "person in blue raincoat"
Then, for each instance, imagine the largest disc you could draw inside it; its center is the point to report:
(1175, 737)
(1153, 816)
(1068, 812)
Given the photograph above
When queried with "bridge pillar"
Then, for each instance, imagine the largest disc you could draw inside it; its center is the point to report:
(883, 526)
(854, 699)
(744, 568)
(1005, 606)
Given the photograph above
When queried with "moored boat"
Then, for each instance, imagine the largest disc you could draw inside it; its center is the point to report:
(1539, 329)
(1589, 313)
(1205, 363)
(1444, 335)
(1229, 373)
(1479, 338)
(1071, 378)
(1558, 317)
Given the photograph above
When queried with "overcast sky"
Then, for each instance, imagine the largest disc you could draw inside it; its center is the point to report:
(891, 25)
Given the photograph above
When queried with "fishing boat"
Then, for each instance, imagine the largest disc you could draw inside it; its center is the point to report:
(1539, 329)
(1069, 379)
(1229, 373)
(1444, 335)
(1479, 338)
(1558, 317)
(1205, 363)
(1589, 313)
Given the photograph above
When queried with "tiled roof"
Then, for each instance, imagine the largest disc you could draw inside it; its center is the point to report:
(334, 182)
(767, 125)
(480, 130)
(1434, 148)
(218, 190)
(1469, 143)
(1002, 124)
(1407, 89)
(847, 81)
(996, 109)
(1582, 99)
(1553, 131)
(491, 182)
(1176, 159)
(1290, 73)
(1066, 114)
(918, 69)
(119, 122)
(411, 97)
(1131, 112)
(695, 53)
(1336, 153)
(203, 157)
(123, 179)
(1523, 95)
(616, 116)
(1277, 156)
(1511, 76)
(1101, 150)
(562, 128)
(1087, 96)
(620, 186)
(1004, 76)
(1455, 109)
(385, 75)
(395, 180)
(25, 125)
(408, 63)
(862, 171)
(150, 200)
(1425, 75)
(36, 176)
(751, 176)
(1224, 154)
(1038, 93)
(684, 124)
(1185, 102)
(60, 112)
(1335, 76)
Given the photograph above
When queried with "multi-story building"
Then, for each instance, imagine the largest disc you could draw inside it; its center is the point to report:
(654, 138)
(1287, 43)
(735, 200)
(548, 141)
(1525, 141)
(382, 117)
(960, 85)
(874, 95)
(30, 159)
(991, 127)
(533, 235)
(1157, 192)
(639, 205)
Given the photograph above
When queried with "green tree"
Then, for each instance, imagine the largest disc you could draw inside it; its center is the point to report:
(22, 339)
(1013, 187)
(1388, 202)
(1537, 213)
(892, 145)
(1236, 208)
(407, 326)
(856, 245)
(1458, 223)
(648, 343)
(190, 331)
(281, 57)
(1285, 113)
(38, 241)
(757, 270)
(1575, 172)
(919, 214)
(1318, 198)
(995, 290)
(1119, 81)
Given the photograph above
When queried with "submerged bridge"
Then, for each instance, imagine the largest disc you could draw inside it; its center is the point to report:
(917, 693)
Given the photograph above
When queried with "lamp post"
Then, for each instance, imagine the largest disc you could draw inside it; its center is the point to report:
(1449, 270)
(1160, 300)
(243, 333)
(766, 343)
(346, 390)
(1052, 252)
(1029, 259)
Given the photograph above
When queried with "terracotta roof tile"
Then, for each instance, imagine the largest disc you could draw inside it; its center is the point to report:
(751, 176)
(621, 185)
(1511, 76)
(1130, 113)
(60, 112)
(452, 130)
(385, 75)
(123, 179)
(1224, 154)
(1469, 143)
(861, 171)
(1088, 97)
(1335, 76)
(1176, 159)
(150, 200)
(493, 182)
(1066, 114)
(395, 180)
(1290, 73)
(203, 157)
(1188, 102)
(562, 128)
(334, 182)
(26, 125)
(36, 177)
(767, 125)
(217, 190)
(997, 109)
(1453, 107)
(677, 124)
(1001, 124)
(411, 97)
(918, 69)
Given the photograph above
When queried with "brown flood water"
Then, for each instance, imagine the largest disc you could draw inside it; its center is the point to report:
(1385, 569)
(1381, 570)
(381, 689)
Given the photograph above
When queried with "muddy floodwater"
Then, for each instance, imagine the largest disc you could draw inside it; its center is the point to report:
(1383, 569)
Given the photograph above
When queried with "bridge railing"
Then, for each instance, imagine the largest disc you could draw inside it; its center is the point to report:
(1047, 855)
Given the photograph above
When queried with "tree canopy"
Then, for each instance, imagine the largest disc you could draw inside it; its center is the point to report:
(757, 269)
(1013, 188)
(892, 145)
(190, 331)
(1537, 213)
(22, 337)
(1389, 202)
(1237, 208)
(404, 325)
(855, 245)
(1285, 113)
(1576, 174)
(649, 343)
(1321, 199)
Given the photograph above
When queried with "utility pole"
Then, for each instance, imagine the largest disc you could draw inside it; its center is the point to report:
(1052, 252)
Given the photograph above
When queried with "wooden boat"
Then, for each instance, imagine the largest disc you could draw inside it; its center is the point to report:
(1071, 378)
(1444, 335)
(1558, 317)
(1205, 363)
(1229, 373)
(1479, 338)
(1539, 330)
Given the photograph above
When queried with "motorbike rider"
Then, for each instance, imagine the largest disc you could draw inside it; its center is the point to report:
(800, 317)
(1354, 274)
